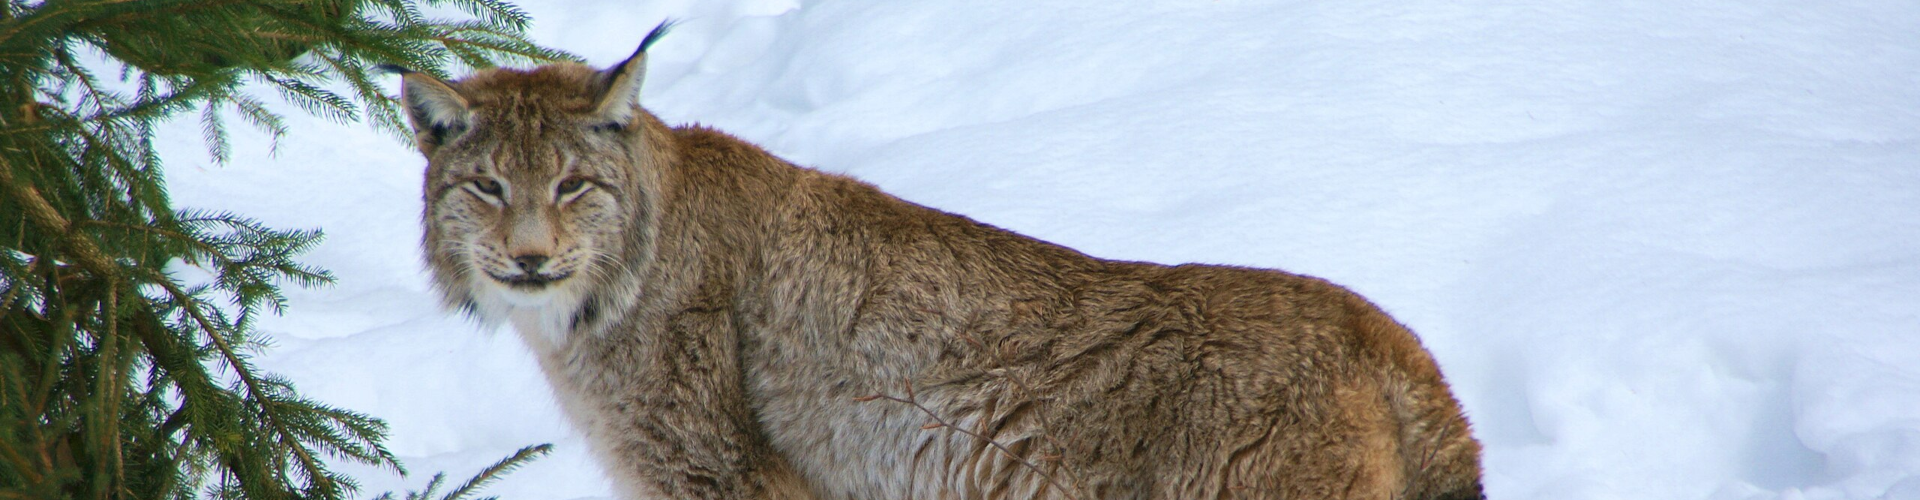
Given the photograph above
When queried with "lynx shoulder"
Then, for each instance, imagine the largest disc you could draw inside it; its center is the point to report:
(720, 323)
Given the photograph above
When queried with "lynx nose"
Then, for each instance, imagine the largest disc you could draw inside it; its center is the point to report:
(530, 263)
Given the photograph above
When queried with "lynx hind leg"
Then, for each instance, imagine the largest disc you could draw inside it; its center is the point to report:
(1352, 452)
(1442, 458)
(1366, 445)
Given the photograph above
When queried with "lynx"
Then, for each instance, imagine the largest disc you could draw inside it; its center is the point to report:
(720, 323)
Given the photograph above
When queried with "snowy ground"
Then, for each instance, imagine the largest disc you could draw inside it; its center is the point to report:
(1663, 249)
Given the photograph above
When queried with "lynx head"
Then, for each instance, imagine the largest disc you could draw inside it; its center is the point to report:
(537, 184)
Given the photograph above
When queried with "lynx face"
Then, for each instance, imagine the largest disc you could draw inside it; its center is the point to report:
(532, 186)
(526, 222)
(719, 323)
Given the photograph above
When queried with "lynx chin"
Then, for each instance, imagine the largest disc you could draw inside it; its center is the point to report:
(720, 323)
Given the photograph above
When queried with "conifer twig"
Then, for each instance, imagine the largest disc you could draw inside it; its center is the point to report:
(43, 214)
(499, 469)
(78, 154)
(227, 352)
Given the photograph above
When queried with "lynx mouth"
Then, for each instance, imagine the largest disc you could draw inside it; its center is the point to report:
(529, 282)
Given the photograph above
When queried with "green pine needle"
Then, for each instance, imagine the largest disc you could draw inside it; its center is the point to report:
(479, 480)
(130, 381)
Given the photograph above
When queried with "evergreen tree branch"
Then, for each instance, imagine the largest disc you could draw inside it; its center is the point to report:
(175, 236)
(102, 428)
(136, 14)
(106, 390)
(240, 368)
(43, 214)
(51, 366)
(499, 469)
(20, 462)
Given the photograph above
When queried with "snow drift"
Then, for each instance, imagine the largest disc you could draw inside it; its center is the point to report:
(1661, 249)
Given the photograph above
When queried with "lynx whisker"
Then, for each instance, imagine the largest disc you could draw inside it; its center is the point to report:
(708, 313)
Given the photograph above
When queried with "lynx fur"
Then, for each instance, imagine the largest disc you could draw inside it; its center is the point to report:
(717, 321)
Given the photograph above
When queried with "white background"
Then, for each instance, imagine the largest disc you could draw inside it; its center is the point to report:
(1663, 249)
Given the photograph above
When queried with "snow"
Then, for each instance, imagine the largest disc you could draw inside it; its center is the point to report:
(1662, 249)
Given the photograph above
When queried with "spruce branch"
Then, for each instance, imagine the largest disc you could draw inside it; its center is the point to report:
(499, 470)
(240, 368)
(43, 214)
(116, 379)
(479, 480)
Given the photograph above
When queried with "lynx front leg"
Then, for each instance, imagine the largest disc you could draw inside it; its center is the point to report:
(676, 422)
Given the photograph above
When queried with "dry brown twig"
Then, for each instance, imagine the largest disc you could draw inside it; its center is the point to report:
(1027, 392)
(941, 423)
(1433, 449)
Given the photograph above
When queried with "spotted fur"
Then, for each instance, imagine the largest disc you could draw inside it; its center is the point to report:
(715, 319)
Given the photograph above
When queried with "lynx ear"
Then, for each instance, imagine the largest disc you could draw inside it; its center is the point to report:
(435, 109)
(623, 81)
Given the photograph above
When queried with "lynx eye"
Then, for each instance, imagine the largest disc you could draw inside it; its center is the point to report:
(489, 187)
(608, 127)
(570, 186)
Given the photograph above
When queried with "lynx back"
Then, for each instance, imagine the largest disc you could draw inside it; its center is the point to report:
(720, 323)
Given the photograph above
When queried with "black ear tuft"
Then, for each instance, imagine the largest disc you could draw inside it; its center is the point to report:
(621, 83)
(656, 34)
